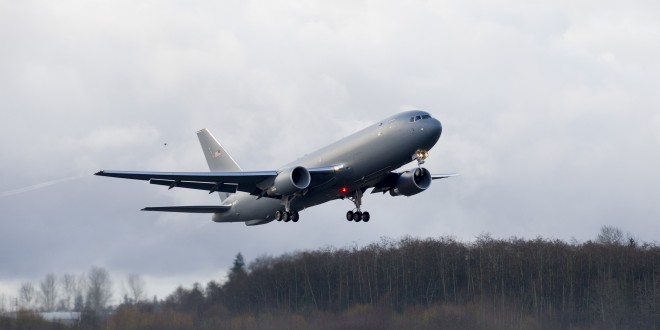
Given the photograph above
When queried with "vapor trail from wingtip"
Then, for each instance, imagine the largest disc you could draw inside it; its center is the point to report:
(37, 186)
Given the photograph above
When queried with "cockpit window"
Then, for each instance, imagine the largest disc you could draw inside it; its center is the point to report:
(418, 117)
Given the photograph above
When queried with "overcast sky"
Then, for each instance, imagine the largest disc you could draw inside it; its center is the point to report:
(550, 112)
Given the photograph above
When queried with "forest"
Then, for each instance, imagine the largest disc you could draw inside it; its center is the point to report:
(412, 283)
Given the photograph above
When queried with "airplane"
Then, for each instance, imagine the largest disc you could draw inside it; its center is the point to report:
(345, 169)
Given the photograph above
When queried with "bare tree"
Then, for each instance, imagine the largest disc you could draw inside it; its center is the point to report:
(136, 287)
(48, 293)
(610, 235)
(3, 307)
(68, 285)
(26, 295)
(99, 289)
(78, 289)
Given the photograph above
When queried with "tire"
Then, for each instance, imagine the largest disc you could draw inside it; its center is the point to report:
(286, 216)
(349, 215)
(366, 216)
(295, 216)
(357, 216)
(278, 215)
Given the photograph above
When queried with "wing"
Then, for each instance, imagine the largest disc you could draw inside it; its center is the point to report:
(390, 181)
(230, 182)
(210, 181)
(443, 176)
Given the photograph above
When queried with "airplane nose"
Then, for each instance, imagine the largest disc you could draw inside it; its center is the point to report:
(436, 128)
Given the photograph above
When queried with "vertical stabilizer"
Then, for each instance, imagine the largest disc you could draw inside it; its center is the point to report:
(219, 160)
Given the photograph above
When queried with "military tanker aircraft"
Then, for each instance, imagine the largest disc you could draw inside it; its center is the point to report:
(346, 169)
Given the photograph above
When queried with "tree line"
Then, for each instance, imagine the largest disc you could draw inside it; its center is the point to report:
(612, 282)
(90, 291)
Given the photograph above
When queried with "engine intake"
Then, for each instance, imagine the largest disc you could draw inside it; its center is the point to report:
(412, 182)
(290, 181)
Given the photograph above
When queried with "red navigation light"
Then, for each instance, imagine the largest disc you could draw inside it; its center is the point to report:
(344, 190)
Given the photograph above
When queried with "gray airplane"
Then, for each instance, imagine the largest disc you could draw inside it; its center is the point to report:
(345, 169)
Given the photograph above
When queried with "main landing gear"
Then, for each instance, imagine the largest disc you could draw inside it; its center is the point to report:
(356, 214)
(287, 215)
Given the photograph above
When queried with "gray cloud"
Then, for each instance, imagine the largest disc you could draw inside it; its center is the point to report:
(549, 113)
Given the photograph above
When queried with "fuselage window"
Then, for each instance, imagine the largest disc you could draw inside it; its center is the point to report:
(426, 116)
(418, 118)
(412, 119)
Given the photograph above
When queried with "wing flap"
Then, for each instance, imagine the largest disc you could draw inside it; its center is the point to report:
(226, 188)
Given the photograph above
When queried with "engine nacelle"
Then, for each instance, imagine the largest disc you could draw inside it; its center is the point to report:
(412, 182)
(290, 181)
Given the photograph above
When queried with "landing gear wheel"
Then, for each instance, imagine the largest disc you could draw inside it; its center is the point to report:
(295, 216)
(278, 215)
(286, 216)
(357, 216)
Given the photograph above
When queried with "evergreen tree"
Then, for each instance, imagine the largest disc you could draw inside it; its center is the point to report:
(239, 265)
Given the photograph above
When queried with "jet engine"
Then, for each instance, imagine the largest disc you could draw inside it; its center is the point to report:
(412, 182)
(290, 181)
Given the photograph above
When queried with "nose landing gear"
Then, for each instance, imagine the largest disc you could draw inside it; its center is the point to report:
(420, 156)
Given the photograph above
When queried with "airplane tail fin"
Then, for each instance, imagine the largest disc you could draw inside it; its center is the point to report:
(217, 158)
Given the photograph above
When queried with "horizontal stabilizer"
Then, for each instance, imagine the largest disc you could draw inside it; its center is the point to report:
(190, 209)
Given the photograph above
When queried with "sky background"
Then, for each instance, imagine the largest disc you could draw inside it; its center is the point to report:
(550, 112)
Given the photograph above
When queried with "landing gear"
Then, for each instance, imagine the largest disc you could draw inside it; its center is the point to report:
(357, 215)
(287, 216)
(420, 156)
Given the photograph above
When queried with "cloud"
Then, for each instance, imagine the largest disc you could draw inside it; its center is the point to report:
(549, 112)
(109, 138)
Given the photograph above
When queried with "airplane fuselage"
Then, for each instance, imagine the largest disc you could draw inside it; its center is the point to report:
(365, 158)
